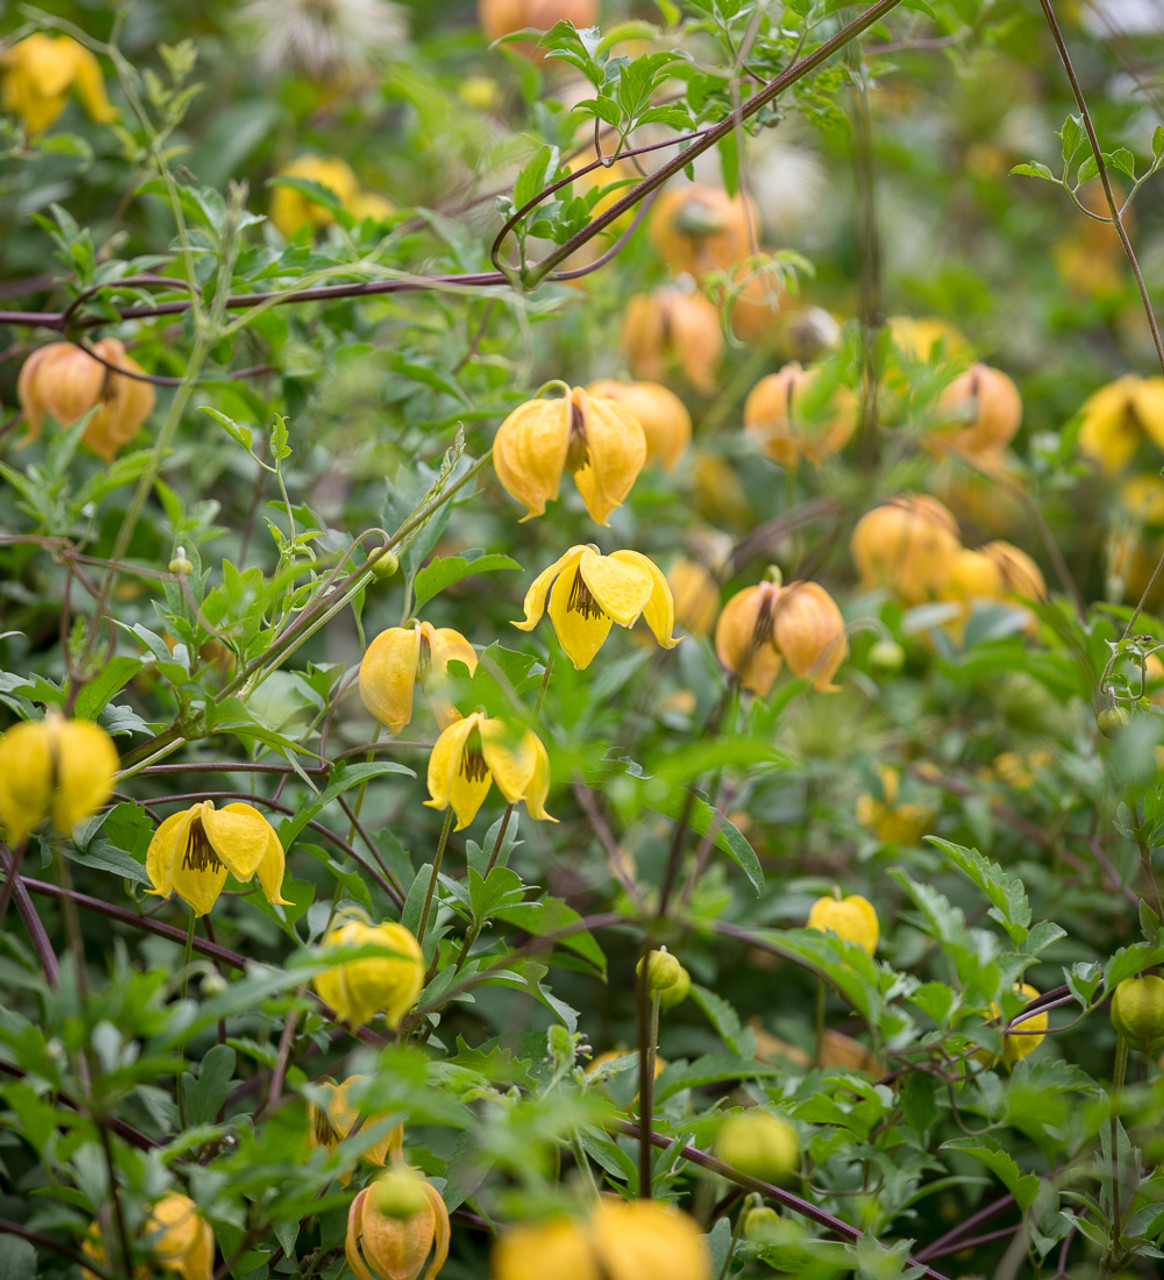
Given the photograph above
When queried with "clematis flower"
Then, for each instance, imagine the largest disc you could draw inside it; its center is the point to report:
(590, 591)
(359, 989)
(331, 1123)
(291, 209)
(176, 1235)
(395, 1246)
(55, 768)
(192, 851)
(599, 441)
(402, 656)
(39, 72)
(479, 750)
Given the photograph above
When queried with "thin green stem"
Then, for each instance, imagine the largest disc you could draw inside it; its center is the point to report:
(436, 866)
(818, 1057)
(187, 956)
(1117, 1086)
(583, 1163)
(501, 830)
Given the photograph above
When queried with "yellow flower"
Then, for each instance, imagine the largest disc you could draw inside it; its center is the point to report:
(671, 327)
(331, 1123)
(40, 71)
(894, 823)
(906, 545)
(176, 1236)
(743, 638)
(787, 419)
(477, 751)
(696, 595)
(192, 851)
(379, 1247)
(759, 1143)
(661, 414)
(591, 591)
(599, 441)
(623, 1240)
(809, 631)
(290, 209)
(1118, 417)
(401, 656)
(992, 407)
(1016, 1046)
(359, 989)
(55, 768)
(852, 918)
(63, 380)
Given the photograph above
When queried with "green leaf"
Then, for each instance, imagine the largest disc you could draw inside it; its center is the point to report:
(205, 1096)
(1033, 170)
(1129, 961)
(720, 1014)
(1023, 1186)
(17, 1259)
(726, 836)
(115, 675)
(712, 1068)
(443, 571)
(1071, 135)
(1123, 161)
(1006, 892)
(242, 435)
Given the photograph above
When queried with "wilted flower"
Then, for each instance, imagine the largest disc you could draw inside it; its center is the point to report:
(331, 1123)
(1118, 417)
(473, 753)
(193, 850)
(176, 1237)
(63, 380)
(402, 656)
(53, 768)
(673, 327)
(359, 989)
(38, 73)
(599, 441)
(591, 591)
(661, 414)
(291, 209)
(852, 918)
(992, 409)
(383, 1247)
(789, 417)
(622, 1240)
(698, 228)
(325, 40)
(906, 545)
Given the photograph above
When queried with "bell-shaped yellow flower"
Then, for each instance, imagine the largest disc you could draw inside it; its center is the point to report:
(39, 72)
(853, 918)
(402, 656)
(384, 1247)
(661, 414)
(176, 1237)
(1117, 418)
(331, 1123)
(776, 417)
(55, 768)
(599, 441)
(479, 750)
(743, 638)
(696, 595)
(808, 629)
(291, 209)
(192, 851)
(359, 989)
(591, 591)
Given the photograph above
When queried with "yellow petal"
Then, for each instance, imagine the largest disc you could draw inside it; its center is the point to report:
(26, 778)
(271, 871)
(91, 85)
(1109, 433)
(455, 777)
(352, 1239)
(180, 1238)
(743, 638)
(529, 452)
(445, 646)
(240, 836)
(538, 787)
(511, 760)
(616, 449)
(441, 1232)
(659, 611)
(622, 587)
(167, 845)
(86, 761)
(535, 597)
(579, 620)
(1148, 401)
(388, 676)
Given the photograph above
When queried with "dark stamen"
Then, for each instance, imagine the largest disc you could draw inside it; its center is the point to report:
(423, 659)
(581, 601)
(199, 855)
(325, 1134)
(473, 765)
(762, 631)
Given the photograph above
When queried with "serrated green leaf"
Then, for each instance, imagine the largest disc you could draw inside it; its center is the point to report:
(443, 571)
(1023, 1186)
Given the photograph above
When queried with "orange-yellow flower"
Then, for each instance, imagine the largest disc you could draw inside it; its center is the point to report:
(591, 591)
(331, 1123)
(176, 1236)
(291, 209)
(473, 753)
(38, 73)
(380, 1246)
(762, 626)
(661, 414)
(789, 418)
(599, 441)
(359, 989)
(193, 850)
(400, 657)
(673, 327)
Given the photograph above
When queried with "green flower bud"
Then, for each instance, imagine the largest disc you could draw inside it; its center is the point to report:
(383, 564)
(761, 1225)
(759, 1143)
(1113, 720)
(663, 971)
(181, 564)
(886, 657)
(1137, 1013)
(677, 992)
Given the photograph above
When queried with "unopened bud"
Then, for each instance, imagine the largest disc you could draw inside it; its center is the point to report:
(886, 657)
(761, 1225)
(383, 564)
(1112, 720)
(213, 984)
(1137, 1012)
(180, 564)
(759, 1143)
(663, 971)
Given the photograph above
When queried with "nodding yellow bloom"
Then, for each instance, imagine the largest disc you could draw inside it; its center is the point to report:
(1118, 417)
(176, 1235)
(591, 591)
(477, 751)
(331, 1123)
(743, 637)
(1014, 1045)
(380, 1246)
(38, 74)
(599, 441)
(853, 918)
(400, 657)
(291, 209)
(55, 768)
(359, 989)
(622, 1240)
(192, 851)
(661, 414)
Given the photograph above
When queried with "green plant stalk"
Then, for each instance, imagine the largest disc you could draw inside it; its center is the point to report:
(436, 866)
(648, 1004)
(584, 1168)
(737, 1231)
(1119, 1074)
(187, 956)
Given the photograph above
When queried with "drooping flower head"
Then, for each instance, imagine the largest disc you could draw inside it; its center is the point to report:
(662, 415)
(589, 591)
(384, 1246)
(38, 73)
(787, 417)
(53, 768)
(331, 1123)
(193, 850)
(176, 1237)
(853, 918)
(907, 546)
(479, 750)
(359, 989)
(292, 209)
(743, 638)
(673, 327)
(400, 658)
(599, 441)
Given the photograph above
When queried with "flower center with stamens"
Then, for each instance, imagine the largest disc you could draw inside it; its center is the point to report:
(473, 766)
(762, 631)
(423, 659)
(581, 601)
(325, 1133)
(199, 855)
(578, 450)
